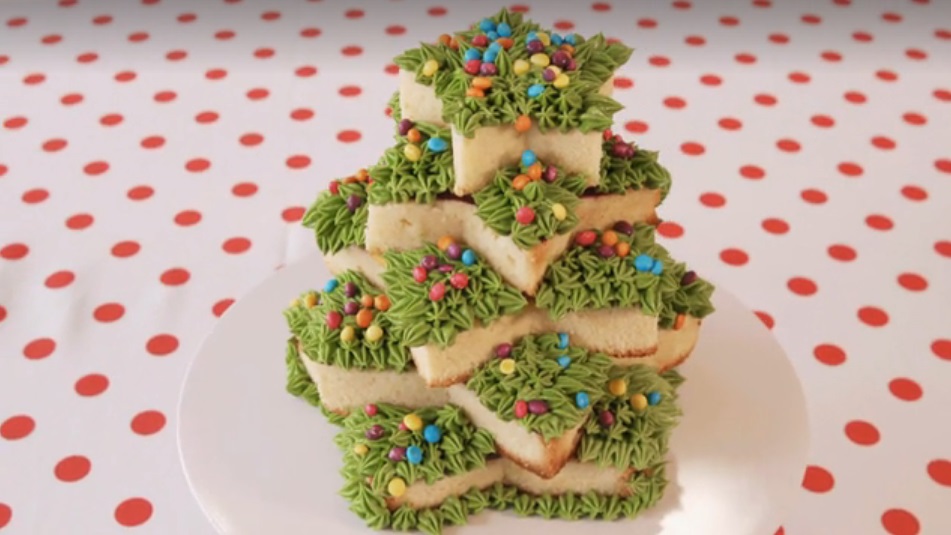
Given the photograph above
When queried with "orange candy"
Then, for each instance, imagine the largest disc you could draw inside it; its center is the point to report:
(535, 171)
(364, 318)
(609, 238)
(506, 42)
(453, 44)
(445, 39)
(622, 249)
(444, 242)
(523, 123)
(567, 48)
(381, 303)
(520, 181)
(350, 180)
(367, 301)
(475, 92)
(679, 322)
(482, 82)
(362, 175)
(414, 136)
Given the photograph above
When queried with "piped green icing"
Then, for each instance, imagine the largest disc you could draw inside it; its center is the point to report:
(396, 178)
(538, 376)
(637, 438)
(638, 172)
(497, 204)
(420, 320)
(325, 346)
(396, 111)
(335, 225)
(300, 384)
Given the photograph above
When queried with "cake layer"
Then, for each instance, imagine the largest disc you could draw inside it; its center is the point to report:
(405, 226)
(422, 495)
(357, 259)
(674, 346)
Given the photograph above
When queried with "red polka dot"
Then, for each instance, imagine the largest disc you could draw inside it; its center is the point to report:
(52, 39)
(138, 37)
(91, 385)
(788, 145)
(60, 279)
(729, 123)
(197, 165)
(96, 168)
(940, 472)
(647, 23)
(729, 21)
(72, 468)
(206, 117)
(176, 55)
(886, 75)
(436, 11)
(734, 257)
(298, 161)
(264, 53)
(348, 136)
(175, 277)
(752, 172)
(302, 114)
(764, 317)
(905, 389)
(850, 169)
(779, 38)
(941, 349)
(637, 127)
(681, 4)
(883, 142)
(395, 29)
(310, 32)
(216, 74)
(519, 8)
(187, 17)
(879, 222)
(799, 77)
(802, 286)
(187, 218)
(293, 214)
(34, 79)
(17, 427)
(564, 25)
(133, 512)
(659, 61)
(224, 35)
(823, 121)
(14, 251)
(3, 313)
(125, 249)
(914, 193)
(943, 165)
(829, 354)
(244, 189)
(942, 94)
(601, 6)
(5, 514)
(270, 15)
(900, 522)
(692, 148)
(912, 282)
(916, 54)
(351, 50)
(16, 22)
(111, 119)
(350, 90)
(152, 142)
(710, 79)
(675, 103)
(35, 196)
(843, 253)
(943, 248)
(87, 57)
(811, 19)
(236, 245)
(765, 99)
(125, 76)
(623, 82)
(54, 145)
(140, 193)
(775, 226)
(670, 229)
(818, 479)
(891, 16)
(712, 200)
(873, 316)
(695, 40)
(855, 97)
(391, 69)
(221, 307)
(745, 58)
(251, 139)
(70, 99)
(913, 118)
(161, 345)
(942, 33)
(862, 433)
(15, 122)
(39, 348)
(814, 196)
(108, 312)
(762, 3)
(831, 55)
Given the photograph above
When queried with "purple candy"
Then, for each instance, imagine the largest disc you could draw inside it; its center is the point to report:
(624, 228)
(375, 432)
(688, 278)
(353, 202)
(549, 75)
(503, 351)
(606, 251)
(560, 59)
(454, 251)
(621, 150)
(430, 262)
(537, 407)
(488, 69)
(572, 65)
(397, 454)
(350, 308)
(550, 174)
(606, 419)
(404, 127)
(350, 289)
(446, 268)
(535, 47)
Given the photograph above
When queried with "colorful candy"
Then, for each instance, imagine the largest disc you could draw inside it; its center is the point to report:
(432, 434)
(413, 422)
(472, 66)
(622, 249)
(473, 53)
(550, 174)
(446, 268)
(528, 157)
(331, 285)
(560, 59)
(310, 300)
(381, 303)
(504, 42)
(486, 25)
(375, 432)
(412, 152)
(468, 257)
(543, 37)
(521, 409)
(657, 268)
(414, 454)
(523, 124)
(503, 351)
(374, 333)
(622, 150)
(639, 402)
(503, 29)
(679, 322)
(350, 308)
(396, 454)
(520, 181)
(562, 340)
(653, 398)
(624, 228)
(609, 237)
(538, 406)
(361, 449)
(480, 40)
(535, 171)
(606, 418)
(561, 81)
(437, 144)
(454, 251)
(549, 75)
(688, 278)
(488, 68)
(586, 238)
(350, 289)
(348, 334)
(540, 60)
(564, 361)
(535, 47)
(429, 262)
(617, 387)
(643, 262)
(606, 251)
(404, 126)
(414, 135)
(437, 292)
(459, 281)
(520, 67)
(420, 274)
(354, 202)
(507, 366)
(430, 67)
(366, 301)
(370, 409)
(525, 215)
(396, 487)
(444, 242)
(475, 92)
(535, 90)
(333, 320)
(582, 400)
(559, 211)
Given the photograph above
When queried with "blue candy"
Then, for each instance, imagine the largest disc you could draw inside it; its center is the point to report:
(432, 434)
(556, 39)
(331, 285)
(562, 340)
(490, 55)
(504, 30)
(487, 25)
(494, 46)
(437, 144)
(528, 158)
(564, 361)
(414, 455)
(643, 262)
(532, 36)
(657, 268)
(571, 38)
(473, 53)
(468, 257)
(535, 90)
(582, 400)
(493, 35)
(653, 398)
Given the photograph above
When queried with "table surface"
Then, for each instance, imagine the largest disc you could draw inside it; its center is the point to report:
(156, 158)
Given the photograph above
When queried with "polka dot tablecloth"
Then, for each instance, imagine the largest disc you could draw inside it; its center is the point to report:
(156, 158)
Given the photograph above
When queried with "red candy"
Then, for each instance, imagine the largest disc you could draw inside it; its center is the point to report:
(480, 40)
(437, 292)
(420, 274)
(459, 281)
(370, 409)
(333, 319)
(586, 238)
(473, 66)
(335, 187)
(608, 134)
(525, 215)
(521, 409)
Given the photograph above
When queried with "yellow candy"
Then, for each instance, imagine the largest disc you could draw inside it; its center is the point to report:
(374, 333)
(561, 81)
(361, 449)
(618, 387)
(521, 66)
(430, 67)
(559, 211)
(639, 401)
(555, 69)
(413, 422)
(544, 38)
(310, 300)
(294, 303)
(507, 366)
(541, 60)
(396, 487)
(348, 334)
(412, 152)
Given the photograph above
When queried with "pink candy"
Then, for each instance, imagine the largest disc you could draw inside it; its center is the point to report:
(420, 274)
(437, 292)
(333, 319)
(521, 409)
(459, 281)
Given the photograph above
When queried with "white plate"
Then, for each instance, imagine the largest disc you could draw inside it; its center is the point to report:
(260, 461)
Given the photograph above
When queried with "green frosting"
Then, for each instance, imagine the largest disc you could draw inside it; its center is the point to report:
(300, 384)
(642, 171)
(638, 438)
(420, 320)
(335, 226)
(538, 376)
(325, 346)
(398, 179)
(583, 280)
(396, 112)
